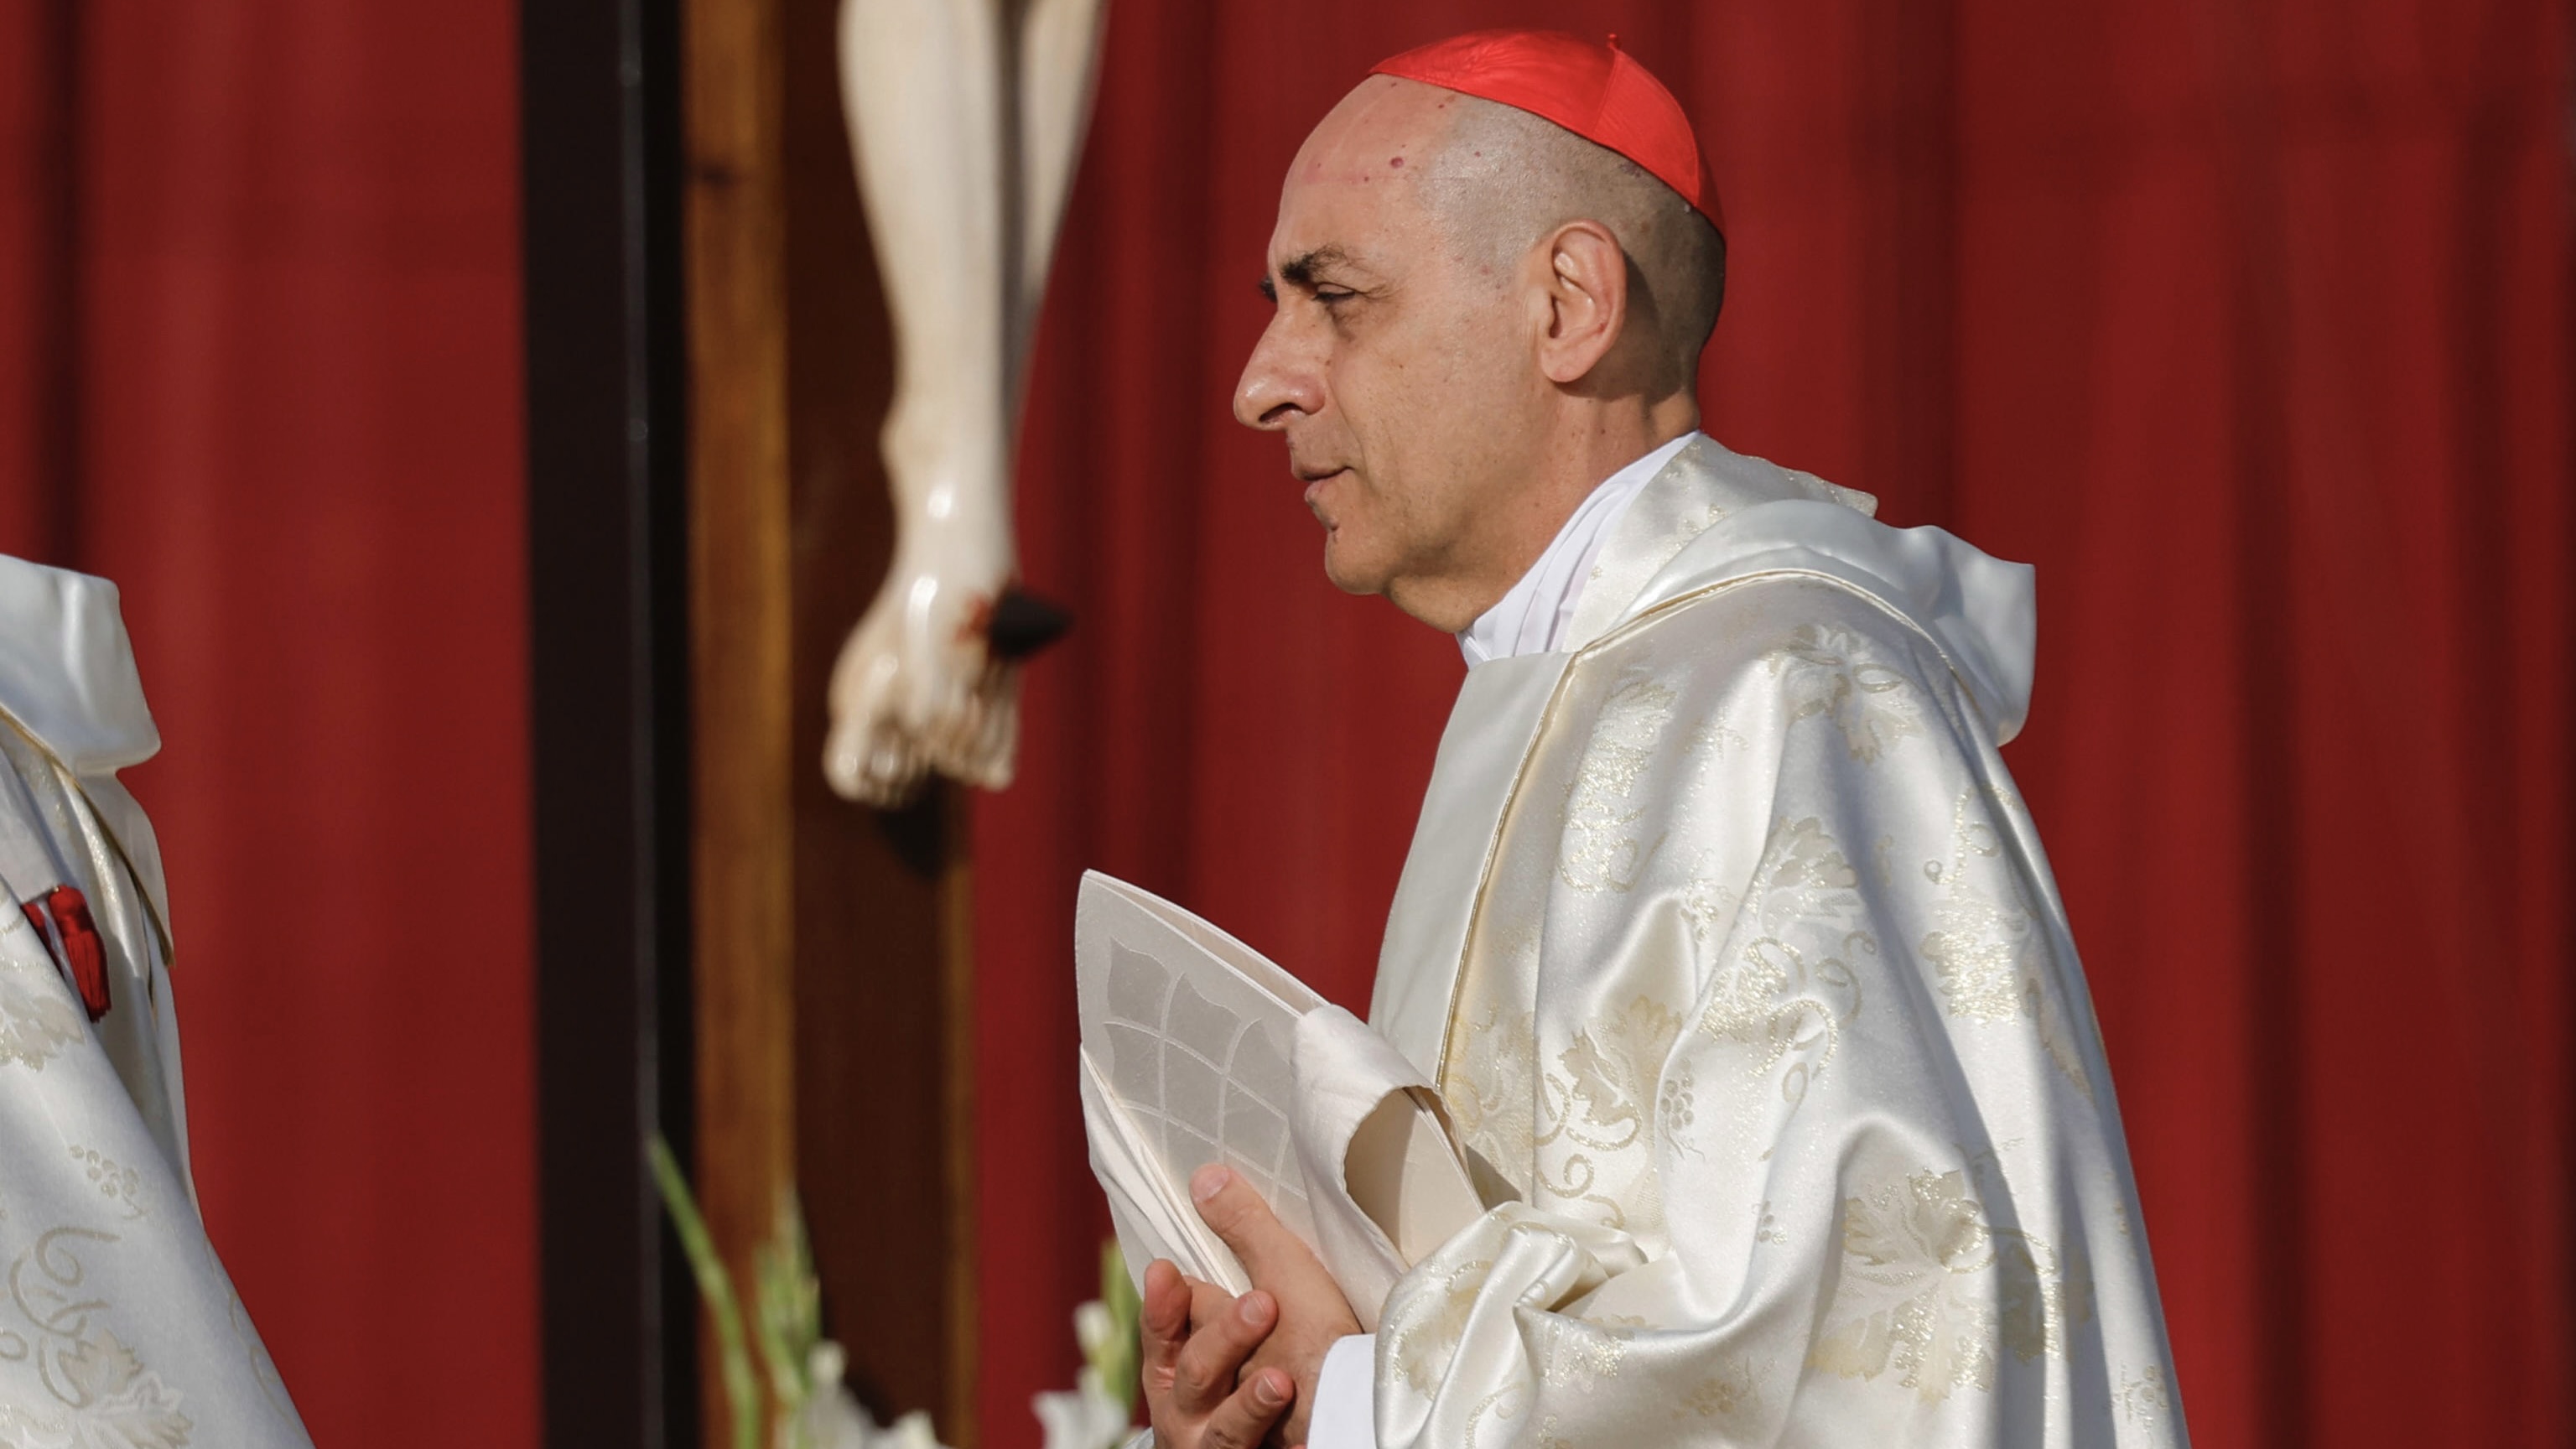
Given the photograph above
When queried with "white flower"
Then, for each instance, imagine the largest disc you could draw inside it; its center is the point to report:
(830, 1418)
(1093, 1328)
(912, 1431)
(1090, 1417)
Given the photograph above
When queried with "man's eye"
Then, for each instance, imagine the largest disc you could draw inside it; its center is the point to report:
(1328, 295)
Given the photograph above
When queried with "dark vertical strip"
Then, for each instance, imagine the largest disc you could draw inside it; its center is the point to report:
(2567, 805)
(658, 311)
(1910, 77)
(2491, 122)
(607, 639)
(2489, 632)
(2565, 118)
(62, 359)
(2259, 364)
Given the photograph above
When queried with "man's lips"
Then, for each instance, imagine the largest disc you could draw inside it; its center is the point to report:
(1314, 486)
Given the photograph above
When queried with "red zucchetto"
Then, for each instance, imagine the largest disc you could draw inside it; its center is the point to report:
(1595, 91)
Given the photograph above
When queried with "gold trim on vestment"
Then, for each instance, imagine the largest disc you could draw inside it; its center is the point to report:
(151, 908)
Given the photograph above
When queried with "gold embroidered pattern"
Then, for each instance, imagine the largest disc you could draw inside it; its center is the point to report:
(1831, 670)
(1600, 1101)
(1710, 742)
(1930, 1290)
(1766, 1228)
(108, 1397)
(1708, 750)
(1491, 1095)
(1707, 906)
(1603, 851)
(1784, 999)
(1986, 949)
(120, 1185)
(1578, 1355)
(1423, 1335)
(1501, 1406)
(1976, 951)
(1723, 1395)
(2119, 1197)
(38, 1016)
(1676, 1108)
(2143, 1395)
(1609, 1074)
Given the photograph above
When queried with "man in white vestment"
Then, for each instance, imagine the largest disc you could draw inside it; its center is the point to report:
(119, 1328)
(1725, 938)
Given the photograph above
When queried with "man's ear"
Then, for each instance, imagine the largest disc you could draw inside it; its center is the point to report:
(1587, 295)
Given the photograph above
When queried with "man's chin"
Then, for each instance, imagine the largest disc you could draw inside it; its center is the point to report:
(1347, 574)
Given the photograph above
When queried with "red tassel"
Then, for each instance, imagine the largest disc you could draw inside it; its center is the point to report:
(88, 965)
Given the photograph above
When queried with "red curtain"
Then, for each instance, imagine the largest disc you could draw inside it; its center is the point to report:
(259, 363)
(2247, 321)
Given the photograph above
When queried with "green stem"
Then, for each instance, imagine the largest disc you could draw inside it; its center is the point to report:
(1124, 1354)
(715, 1286)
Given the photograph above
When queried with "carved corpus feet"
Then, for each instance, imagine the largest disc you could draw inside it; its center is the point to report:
(943, 128)
(919, 687)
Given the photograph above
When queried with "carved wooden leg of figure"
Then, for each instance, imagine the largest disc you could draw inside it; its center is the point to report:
(918, 687)
(1059, 40)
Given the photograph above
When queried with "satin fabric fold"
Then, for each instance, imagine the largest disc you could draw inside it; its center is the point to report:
(1734, 956)
(120, 1325)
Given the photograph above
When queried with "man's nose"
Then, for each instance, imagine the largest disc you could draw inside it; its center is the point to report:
(1277, 380)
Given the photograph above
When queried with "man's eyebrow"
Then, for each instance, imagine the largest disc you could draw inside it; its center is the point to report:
(1303, 268)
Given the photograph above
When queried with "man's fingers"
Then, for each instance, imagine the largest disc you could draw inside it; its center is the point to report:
(1235, 1210)
(1207, 1303)
(1247, 1413)
(1163, 1319)
(1213, 1358)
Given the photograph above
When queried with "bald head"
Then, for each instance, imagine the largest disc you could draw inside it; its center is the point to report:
(1500, 180)
(1477, 317)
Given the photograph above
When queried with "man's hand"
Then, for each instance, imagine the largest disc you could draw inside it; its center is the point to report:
(1310, 1311)
(1196, 1340)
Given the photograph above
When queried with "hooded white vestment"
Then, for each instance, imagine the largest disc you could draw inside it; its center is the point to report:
(118, 1326)
(1736, 960)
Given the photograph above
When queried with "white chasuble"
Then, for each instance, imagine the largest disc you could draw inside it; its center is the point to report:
(1736, 960)
(118, 1326)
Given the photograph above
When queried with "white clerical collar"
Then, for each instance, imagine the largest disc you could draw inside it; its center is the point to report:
(66, 671)
(1531, 619)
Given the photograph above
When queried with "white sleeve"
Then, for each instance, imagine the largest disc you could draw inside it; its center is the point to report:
(1345, 1415)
